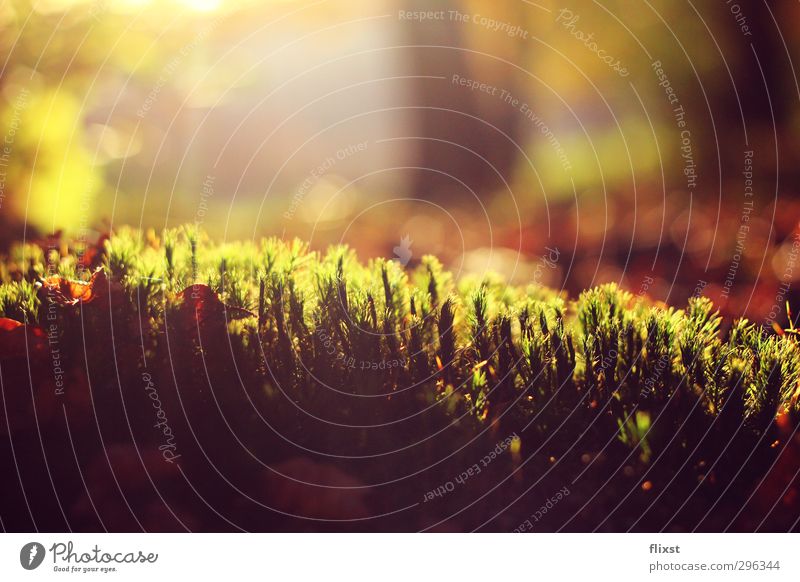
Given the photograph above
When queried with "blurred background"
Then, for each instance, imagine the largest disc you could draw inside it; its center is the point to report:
(654, 144)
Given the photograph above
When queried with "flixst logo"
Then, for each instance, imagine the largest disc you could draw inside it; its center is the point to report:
(31, 555)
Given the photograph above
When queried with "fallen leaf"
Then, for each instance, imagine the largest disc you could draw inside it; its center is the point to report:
(18, 340)
(68, 292)
(203, 303)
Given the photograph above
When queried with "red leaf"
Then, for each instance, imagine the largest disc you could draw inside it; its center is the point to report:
(66, 292)
(93, 255)
(18, 340)
(24, 353)
(7, 324)
(203, 303)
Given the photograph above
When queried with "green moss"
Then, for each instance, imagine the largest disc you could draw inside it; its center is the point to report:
(480, 344)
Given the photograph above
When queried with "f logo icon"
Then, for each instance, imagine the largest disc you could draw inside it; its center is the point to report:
(31, 555)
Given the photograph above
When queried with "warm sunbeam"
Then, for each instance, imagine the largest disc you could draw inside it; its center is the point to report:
(394, 266)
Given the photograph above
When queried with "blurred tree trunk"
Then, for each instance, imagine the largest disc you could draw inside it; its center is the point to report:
(479, 126)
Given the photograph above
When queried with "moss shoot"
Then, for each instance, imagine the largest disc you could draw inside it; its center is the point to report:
(229, 364)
